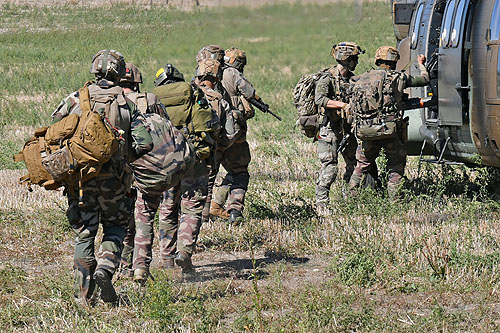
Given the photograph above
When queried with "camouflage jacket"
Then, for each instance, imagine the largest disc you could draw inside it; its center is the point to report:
(138, 141)
(407, 80)
(334, 86)
(237, 85)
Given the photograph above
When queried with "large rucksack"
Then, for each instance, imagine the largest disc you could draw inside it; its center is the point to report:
(164, 166)
(375, 103)
(74, 148)
(303, 98)
(189, 111)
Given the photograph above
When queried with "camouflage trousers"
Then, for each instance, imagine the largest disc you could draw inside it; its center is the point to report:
(366, 154)
(233, 187)
(179, 233)
(106, 202)
(327, 153)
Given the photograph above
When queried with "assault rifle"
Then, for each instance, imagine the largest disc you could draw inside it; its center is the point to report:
(343, 143)
(259, 104)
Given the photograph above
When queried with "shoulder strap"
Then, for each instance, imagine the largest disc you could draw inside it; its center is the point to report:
(142, 102)
(84, 97)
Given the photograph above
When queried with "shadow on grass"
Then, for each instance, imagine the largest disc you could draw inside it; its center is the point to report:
(243, 269)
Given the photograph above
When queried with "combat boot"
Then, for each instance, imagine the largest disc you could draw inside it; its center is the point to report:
(183, 260)
(218, 210)
(236, 217)
(141, 275)
(103, 281)
(167, 263)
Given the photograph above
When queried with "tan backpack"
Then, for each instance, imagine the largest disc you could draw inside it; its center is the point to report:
(74, 148)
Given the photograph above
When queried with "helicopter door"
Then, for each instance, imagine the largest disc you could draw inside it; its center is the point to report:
(452, 91)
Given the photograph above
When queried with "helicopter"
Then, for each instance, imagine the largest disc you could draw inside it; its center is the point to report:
(460, 120)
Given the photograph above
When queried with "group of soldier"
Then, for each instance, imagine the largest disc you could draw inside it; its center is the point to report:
(332, 96)
(205, 123)
(202, 124)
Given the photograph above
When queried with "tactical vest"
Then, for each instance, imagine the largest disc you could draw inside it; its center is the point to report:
(190, 112)
(376, 104)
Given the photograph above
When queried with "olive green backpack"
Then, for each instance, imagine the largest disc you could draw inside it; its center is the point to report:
(189, 111)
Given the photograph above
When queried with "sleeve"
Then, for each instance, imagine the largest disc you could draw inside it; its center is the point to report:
(418, 81)
(70, 104)
(245, 87)
(142, 142)
(322, 90)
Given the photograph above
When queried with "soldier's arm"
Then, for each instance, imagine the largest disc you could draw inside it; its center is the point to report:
(245, 87)
(70, 104)
(423, 78)
(322, 93)
(142, 142)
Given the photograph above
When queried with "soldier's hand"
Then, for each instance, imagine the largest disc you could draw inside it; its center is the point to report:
(421, 59)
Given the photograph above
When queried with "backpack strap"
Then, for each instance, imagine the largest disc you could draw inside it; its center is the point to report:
(84, 98)
(142, 102)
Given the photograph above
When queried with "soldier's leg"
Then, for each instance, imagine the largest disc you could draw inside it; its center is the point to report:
(221, 189)
(126, 261)
(327, 153)
(236, 161)
(396, 162)
(115, 207)
(146, 207)
(349, 155)
(366, 154)
(194, 195)
(213, 170)
(169, 222)
(85, 223)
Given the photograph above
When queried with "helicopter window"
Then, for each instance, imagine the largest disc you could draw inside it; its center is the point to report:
(416, 26)
(445, 35)
(495, 22)
(457, 24)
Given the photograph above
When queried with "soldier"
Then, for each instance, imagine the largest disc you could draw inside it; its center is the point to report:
(395, 82)
(189, 110)
(330, 96)
(236, 157)
(146, 203)
(105, 197)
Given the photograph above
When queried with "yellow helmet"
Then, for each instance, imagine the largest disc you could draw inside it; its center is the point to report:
(386, 53)
(168, 73)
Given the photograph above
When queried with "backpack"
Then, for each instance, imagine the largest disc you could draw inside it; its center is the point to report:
(190, 111)
(164, 166)
(303, 98)
(74, 148)
(375, 102)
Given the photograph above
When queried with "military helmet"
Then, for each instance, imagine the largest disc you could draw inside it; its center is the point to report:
(168, 73)
(132, 74)
(387, 53)
(214, 52)
(235, 58)
(208, 67)
(108, 64)
(344, 50)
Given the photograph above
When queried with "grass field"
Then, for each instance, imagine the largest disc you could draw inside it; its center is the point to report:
(427, 262)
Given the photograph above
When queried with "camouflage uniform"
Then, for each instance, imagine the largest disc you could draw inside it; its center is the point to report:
(170, 145)
(179, 230)
(394, 148)
(105, 197)
(332, 85)
(235, 158)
